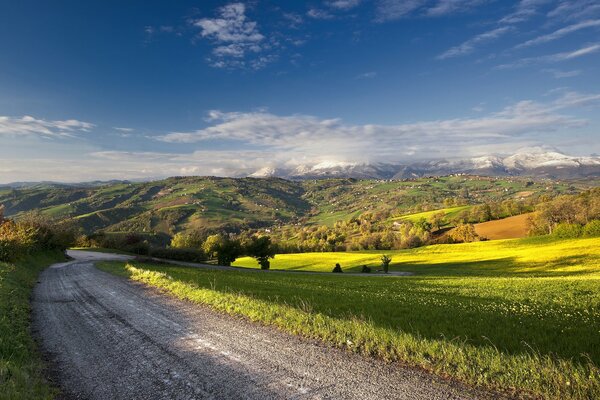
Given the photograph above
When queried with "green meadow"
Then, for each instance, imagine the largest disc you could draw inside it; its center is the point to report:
(520, 316)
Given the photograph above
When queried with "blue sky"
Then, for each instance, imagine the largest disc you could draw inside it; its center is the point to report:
(138, 89)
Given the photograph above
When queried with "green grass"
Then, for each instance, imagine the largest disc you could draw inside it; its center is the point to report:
(519, 314)
(20, 365)
(541, 256)
(449, 213)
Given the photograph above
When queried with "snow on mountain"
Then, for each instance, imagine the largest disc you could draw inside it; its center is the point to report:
(537, 161)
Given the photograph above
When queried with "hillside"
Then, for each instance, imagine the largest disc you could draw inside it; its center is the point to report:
(506, 228)
(186, 203)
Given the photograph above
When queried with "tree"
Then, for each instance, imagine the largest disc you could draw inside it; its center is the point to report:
(437, 220)
(385, 262)
(212, 244)
(228, 250)
(1, 214)
(423, 225)
(183, 240)
(464, 233)
(261, 249)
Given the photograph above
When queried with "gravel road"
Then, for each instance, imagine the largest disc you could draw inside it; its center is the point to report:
(108, 338)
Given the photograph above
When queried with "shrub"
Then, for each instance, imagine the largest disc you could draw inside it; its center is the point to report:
(592, 228)
(337, 269)
(178, 254)
(566, 231)
(365, 269)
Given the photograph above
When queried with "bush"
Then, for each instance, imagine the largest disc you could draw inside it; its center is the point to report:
(592, 228)
(189, 255)
(33, 232)
(337, 269)
(567, 231)
(365, 269)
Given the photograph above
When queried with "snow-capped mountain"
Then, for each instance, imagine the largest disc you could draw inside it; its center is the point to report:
(540, 162)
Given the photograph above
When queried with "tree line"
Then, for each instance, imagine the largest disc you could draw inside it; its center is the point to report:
(33, 232)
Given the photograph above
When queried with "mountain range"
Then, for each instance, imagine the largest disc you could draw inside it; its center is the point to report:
(537, 162)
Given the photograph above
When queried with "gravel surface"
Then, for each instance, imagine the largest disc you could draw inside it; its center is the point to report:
(108, 338)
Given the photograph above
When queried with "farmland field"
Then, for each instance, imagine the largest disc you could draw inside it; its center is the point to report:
(507, 228)
(507, 314)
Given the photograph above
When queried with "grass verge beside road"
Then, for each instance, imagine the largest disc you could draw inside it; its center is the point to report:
(501, 322)
(20, 365)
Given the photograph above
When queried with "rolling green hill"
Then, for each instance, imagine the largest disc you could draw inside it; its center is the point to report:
(186, 203)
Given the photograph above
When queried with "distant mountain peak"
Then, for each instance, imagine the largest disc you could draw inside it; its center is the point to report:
(542, 161)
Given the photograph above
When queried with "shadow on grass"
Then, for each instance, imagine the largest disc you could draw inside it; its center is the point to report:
(503, 267)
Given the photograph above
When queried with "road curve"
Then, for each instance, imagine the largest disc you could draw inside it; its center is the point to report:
(108, 338)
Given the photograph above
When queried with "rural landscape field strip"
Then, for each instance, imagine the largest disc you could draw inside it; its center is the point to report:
(512, 316)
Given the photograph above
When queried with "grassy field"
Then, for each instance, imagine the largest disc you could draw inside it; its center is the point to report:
(514, 314)
(449, 213)
(543, 256)
(20, 365)
(507, 228)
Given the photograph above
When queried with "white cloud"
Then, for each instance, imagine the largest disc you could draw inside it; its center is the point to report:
(575, 10)
(367, 75)
(560, 33)
(447, 7)
(321, 139)
(558, 74)
(525, 10)
(123, 129)
(232, 26)
(552, 58)
(261, 139)
(343, 4)
(389, 10)
(470, 45)
(27, 125)
(318, 13)
(235, 38)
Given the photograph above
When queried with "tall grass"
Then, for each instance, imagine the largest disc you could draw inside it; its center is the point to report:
(20, 365)
(508, 323)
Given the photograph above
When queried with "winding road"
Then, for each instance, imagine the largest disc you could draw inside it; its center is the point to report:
(108, 338)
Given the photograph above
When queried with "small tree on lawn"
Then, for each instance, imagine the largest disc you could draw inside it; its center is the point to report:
(385, 262)
(261, 249)
(228, 250)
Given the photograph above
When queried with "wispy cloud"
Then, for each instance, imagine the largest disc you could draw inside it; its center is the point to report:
(343, 4)
(552, 58)
(525, 10)
(367, 75)
(560, 33)
(123, 129)
(558, 74)
(389, 10)
(575, 10)
(318, 13)
(470, 45)
(447, 7)
(30, 126)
